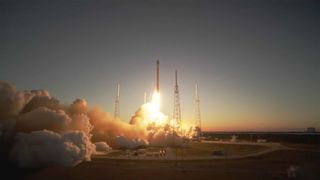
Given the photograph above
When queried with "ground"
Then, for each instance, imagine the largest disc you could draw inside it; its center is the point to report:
(270, 165)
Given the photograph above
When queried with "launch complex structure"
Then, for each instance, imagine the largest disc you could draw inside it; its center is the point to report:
(197, 129)
(176, 117)
(176, 107)
(117, 103)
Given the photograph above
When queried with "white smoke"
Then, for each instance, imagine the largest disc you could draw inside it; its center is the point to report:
(162, 138)
(81, 122)
(81, 140)
(13, 101)
(79, 106)
(44, 118)
(48, 133)
(106, 128)
(44, 148)
(158, 133)
(102, 146)
(123, 142)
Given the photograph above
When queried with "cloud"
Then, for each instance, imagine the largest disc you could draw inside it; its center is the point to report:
(80, 122)
(46, 148)
(47, 133)
(79, 106)
(162, 138)
(107, 129)
(123, 142)
(102, 146)
(43, 118)
(12, 101)
(41, 101)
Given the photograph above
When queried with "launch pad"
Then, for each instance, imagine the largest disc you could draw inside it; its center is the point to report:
(208, 150)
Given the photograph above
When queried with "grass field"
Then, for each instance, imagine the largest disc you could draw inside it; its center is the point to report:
(303, 146)
(272, 165)
(268, 166)
(196, 149)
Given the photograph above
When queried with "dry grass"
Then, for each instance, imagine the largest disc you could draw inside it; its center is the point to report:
(120, 153)
(268, 166)
(206, 149)
(196, 149)
(303, 146)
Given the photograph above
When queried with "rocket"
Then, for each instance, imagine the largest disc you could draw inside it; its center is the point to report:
(157, 78)
(197, 95)
(118, 90)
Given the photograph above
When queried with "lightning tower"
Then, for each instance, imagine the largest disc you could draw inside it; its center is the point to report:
(117, 103)
(197, 116)
(176, 108)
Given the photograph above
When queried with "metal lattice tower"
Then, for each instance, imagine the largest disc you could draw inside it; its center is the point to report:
(198, 127)
(117, 103)
(176, 108)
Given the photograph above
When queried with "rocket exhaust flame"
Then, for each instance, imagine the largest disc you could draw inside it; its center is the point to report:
(151, 110)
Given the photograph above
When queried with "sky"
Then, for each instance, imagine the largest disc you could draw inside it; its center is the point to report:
(256, 62)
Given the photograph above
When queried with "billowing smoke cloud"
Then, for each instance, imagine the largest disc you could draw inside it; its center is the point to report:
(81, 122)
(106, 128)
(54, 120)
(163, 138)
(159, 133)
(102, 146)
(44, 132)
(43, 118)
(11, 104)
(123, 142)
(79, 106)
(44, 148)
(48, 133)
(42, 101)
(13, 101)
(39, 131)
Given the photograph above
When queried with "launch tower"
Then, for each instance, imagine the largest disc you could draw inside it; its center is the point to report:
(176, 108)
(198, 130)
(117, 103)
